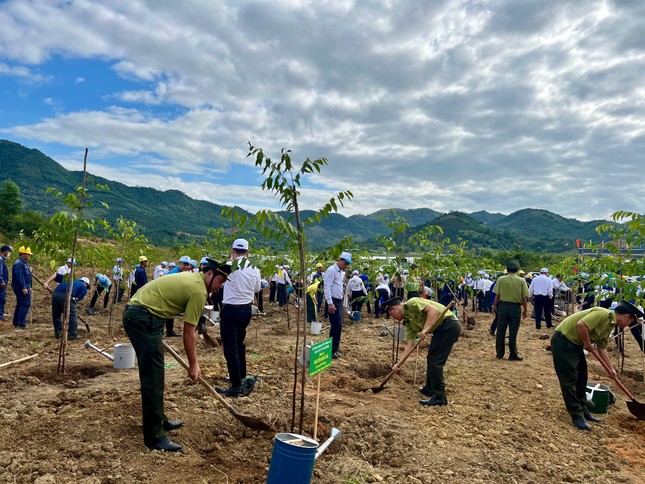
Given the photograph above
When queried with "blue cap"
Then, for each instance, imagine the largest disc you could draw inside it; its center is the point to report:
(5, 248)
(185, 259)
(204, 260)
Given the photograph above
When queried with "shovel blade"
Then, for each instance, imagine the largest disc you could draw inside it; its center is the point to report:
(253, 423)
(637, 409)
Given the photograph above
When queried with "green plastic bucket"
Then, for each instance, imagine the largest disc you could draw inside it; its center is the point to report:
(598, 397)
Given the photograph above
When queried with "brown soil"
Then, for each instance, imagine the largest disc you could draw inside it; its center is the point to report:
(506, 421)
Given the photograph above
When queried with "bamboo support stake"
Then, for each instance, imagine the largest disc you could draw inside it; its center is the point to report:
(317, 405)
(20, 360)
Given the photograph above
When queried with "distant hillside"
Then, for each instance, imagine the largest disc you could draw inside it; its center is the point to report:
(171, 216)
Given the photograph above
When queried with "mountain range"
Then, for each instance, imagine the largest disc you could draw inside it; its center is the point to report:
(170, 217)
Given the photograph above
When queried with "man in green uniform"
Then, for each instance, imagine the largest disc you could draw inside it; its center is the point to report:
(420, 318)
(581, 331)
(144, 321)
(510, 307)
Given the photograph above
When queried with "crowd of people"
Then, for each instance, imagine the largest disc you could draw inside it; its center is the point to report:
(231, 287)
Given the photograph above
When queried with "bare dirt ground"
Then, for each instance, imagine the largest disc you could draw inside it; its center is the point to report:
(505, 423)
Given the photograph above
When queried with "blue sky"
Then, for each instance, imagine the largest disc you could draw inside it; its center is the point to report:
(451, 104)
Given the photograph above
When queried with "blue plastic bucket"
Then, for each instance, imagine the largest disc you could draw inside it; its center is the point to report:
(292, 460)
(355, 315)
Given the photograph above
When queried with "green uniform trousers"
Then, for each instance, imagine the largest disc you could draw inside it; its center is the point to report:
(443, 339)
(145, 331)
(509, 315)
(571, 367)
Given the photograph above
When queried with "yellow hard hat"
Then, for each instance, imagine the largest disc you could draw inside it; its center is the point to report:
(143, 258)
(22, 250)
(319, 265)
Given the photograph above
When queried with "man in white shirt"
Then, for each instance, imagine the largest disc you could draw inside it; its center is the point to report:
(382, 294)
(160, 270)
(239, 291)
(357, 291)
(117, 280)
(282, 280)
(333, 280)
(541, 289)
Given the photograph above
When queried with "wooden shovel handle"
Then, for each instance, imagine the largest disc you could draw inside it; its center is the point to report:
(206, 385)
(614, 378)
(406, 356)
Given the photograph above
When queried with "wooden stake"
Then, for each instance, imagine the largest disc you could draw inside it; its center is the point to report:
(20, 360)
(317, 404)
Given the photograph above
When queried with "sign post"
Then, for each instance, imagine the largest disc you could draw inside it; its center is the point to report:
(319, 360)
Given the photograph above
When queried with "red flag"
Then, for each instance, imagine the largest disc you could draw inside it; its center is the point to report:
(578, 243)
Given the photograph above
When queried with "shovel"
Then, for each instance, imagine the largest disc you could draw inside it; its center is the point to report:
(636, 408)
(250, 422)
(380, 387)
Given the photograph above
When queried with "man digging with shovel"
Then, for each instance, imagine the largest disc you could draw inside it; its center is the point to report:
(420, 318)
(581, 331)
(144, 320)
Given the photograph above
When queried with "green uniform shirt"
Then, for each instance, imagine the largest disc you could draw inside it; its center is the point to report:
(600, 322)
(414, 318)
(167, 296)
(511, 288)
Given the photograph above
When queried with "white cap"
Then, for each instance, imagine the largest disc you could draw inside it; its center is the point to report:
(69, 261)
(355, 273)
(164, 263)
(544, 270)
(385, 276)
(203, 261)
(85, 280)
(406, 271)
(185, 259)
(240, 244)
(172, 264)
(347, 256)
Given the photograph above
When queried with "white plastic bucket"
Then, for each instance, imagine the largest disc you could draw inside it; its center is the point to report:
(123, 356)
(316, 327)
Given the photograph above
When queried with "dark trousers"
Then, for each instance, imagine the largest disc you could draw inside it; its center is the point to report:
(170, 326)
(311, 309)
(571, 367)
(282, 294)
(58, 308)
(23, 303)
(96, 294)
(493, 325)
(381, 294)
(260, 300)
(481, 300)
(272, 291)
(145, 332)
(542, 305)
(336, 322)
(3, 300)
(443, 339)
(118, 292)
(319, 300)
(357, 300)
(233, 323)
(509, 316)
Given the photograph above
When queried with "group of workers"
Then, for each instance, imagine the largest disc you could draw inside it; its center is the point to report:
(187, 288)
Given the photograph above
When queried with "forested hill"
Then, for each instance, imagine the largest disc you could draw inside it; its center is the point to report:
(167, 217)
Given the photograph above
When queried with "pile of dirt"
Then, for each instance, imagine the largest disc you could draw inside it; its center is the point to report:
(505, 422)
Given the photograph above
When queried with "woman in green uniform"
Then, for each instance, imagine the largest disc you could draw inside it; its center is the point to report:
(579, 332)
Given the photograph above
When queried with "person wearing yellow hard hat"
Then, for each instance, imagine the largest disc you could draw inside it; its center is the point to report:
(140, 275)
(21, 285)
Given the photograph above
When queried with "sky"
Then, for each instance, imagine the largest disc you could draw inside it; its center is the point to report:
(445, 104)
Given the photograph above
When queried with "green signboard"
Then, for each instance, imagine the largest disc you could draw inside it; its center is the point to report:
(320, 357)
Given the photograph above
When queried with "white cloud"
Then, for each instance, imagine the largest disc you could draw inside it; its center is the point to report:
(454, 104)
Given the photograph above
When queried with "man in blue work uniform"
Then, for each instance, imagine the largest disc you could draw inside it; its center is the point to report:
(21, 285)
(79, 291)
(140, 275)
